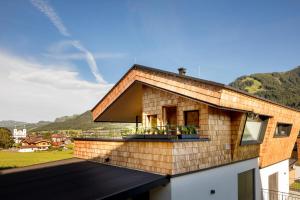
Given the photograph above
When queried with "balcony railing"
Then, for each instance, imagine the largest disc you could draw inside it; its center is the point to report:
(276, 195)
(158, 132)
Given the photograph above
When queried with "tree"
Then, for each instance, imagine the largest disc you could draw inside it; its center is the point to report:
(6, 139)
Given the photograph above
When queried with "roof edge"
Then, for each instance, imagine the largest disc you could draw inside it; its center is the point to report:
(142, 67)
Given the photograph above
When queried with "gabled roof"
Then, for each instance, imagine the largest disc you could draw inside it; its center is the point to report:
(34, 140)
(209, 92)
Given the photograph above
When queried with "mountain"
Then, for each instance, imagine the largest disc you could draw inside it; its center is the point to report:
(281, 87)
(10, 124)
(83, 121)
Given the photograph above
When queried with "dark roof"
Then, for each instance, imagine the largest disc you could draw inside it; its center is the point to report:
(137, 66)
(76, 179)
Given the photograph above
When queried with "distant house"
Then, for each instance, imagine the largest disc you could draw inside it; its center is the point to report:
(240, 148)
(30, 144)
(58, 140)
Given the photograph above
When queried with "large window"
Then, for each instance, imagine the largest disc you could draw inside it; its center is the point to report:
(152, 119)
(283, 130)
(246, 185)
(191, 118)
(254, 129)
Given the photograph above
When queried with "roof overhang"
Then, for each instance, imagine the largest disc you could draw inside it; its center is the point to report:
(126, 108)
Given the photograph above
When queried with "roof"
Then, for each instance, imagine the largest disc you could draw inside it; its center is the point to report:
(57, 136)
(142, 67)
(76, 179)
(34, 140)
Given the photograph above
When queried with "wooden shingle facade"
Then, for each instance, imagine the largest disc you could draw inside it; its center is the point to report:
(145, 93)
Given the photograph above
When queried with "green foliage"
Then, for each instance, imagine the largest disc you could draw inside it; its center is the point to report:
(6, 140)
(17, 159)
(283, 88)
(187, 130)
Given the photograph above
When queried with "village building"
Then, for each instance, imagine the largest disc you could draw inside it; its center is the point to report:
(58, 140)
(19, 135)
(34, 143)
(208, 139)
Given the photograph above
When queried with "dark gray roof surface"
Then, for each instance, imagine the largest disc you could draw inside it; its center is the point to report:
(76, 180)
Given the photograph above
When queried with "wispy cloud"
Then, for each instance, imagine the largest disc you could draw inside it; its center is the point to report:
(90, 60)
(36, 91)
(62, 51)
(49, 12)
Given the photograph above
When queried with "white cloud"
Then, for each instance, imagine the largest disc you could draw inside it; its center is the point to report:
(48, 11)
(32, 91)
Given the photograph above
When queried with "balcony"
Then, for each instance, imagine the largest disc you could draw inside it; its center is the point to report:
(161, 150)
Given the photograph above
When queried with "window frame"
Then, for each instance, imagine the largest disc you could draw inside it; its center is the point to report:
(283, 136)
(149, 118)
(262, 131)
(185, 117)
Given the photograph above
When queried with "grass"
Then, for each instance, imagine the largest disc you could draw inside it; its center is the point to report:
(255, 87)
(17, 159)
(295, 186)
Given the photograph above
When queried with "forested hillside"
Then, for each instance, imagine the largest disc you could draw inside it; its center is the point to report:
(281, 87)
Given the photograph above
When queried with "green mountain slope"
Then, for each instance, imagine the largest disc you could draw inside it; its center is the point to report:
(10, 124)
(281, 87)
(76, 122)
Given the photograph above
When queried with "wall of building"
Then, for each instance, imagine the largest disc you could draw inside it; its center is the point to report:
(153, 157)
(271, 148)
(223, 128)
(198, 185)
(154, 100)
(282, 168)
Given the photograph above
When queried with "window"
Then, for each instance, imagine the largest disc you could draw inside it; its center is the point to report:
(246, 185)
(283, 130)
(191, 118)
(254, 129)
(152, 119)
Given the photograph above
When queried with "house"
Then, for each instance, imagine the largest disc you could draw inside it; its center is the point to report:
(58, 139)
(241, 153)
(34, 143)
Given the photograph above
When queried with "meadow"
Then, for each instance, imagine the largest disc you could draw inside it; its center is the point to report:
(16, 159)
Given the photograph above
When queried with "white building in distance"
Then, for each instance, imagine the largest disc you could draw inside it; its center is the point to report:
(18, 135)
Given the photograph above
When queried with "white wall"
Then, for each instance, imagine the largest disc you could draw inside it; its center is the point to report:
(283, 176)
(198, 185)
(297, 171)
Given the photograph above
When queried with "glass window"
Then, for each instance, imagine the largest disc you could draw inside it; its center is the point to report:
(152, 121)
(246, 185)
(283, 129)
(254, 129)
(191, 118)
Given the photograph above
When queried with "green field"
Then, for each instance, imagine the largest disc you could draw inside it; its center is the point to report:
(17, 159)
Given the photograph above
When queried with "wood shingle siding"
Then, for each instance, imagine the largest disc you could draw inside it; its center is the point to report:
(222, 117)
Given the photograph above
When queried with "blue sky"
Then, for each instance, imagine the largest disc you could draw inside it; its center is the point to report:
(98, 41)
